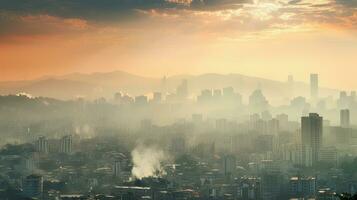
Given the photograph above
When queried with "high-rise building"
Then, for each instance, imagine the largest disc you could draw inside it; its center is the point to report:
(118, 96)
(270, 186)
(141, 100)
(283, 120)
(29, 162)
(311, 133)
(197, 118)
(126, 99)
(314, 85)
(264, 143)
(117, 168)
(340, 135)
(291, 85)
(273, 127)
(66, 144)
(217, 93)
(297, 154)
(157, 97)
(343, 100)
(249, 188)
(290, 79)
(258, 101)
(33, 186)
(302, 187)
(164, 85)
(328, 155)
(228, 165)
(206, 96)
(260, 126)
(353, 96)
(228, 91)
(42, 145)
(266, 115)
(345, 118)
(182, 90)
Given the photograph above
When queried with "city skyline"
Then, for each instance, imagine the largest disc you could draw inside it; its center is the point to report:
(178, 99)
(289, 78)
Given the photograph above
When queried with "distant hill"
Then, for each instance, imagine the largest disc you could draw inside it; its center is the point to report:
(81, 85)
(106, 84)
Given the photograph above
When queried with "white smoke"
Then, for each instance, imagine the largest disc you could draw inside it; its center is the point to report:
(147, 161)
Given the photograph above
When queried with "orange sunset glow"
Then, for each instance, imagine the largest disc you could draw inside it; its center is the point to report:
(265, 38)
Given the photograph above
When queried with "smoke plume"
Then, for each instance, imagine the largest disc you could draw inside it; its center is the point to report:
(147, 161)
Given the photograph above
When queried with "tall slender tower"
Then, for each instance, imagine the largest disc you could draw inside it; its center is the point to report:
(291, 85)
(314, 86)
(345, 118)
(311, 134)
(117, 168)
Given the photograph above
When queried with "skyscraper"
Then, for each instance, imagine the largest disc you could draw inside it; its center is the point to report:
(217, 93)
(302, 187)
(157, 97)
(311, 133)
(42, 145)
(291, 85)
(117, 168)
(297, 154)
(249, 188)
(228, 165)
(182, 90)
(164, 85)
(258, 101)
(345, 118)
(228, 91)
(66, 144)
(33, 186)
(141, 100)
(314, 85)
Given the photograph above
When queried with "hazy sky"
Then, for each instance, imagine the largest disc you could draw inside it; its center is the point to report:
(265, 38)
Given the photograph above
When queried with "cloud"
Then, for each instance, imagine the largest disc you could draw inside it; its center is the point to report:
(38, 17)
(38, 25)
(85, 9)
(348, 3)
(218, 4)
(221, 18)
(237, 17)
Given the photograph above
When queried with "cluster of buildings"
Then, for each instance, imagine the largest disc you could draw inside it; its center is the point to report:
(222, 149)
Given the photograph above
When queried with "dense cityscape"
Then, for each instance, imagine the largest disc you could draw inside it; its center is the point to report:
(178, 100)
(179, 146)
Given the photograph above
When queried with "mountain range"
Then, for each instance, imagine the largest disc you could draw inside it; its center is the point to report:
(105, 84)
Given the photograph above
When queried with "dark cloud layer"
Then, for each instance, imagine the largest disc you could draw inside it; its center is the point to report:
(349, 3)
(32, 17)
(119, 9)
(49, 13)
(114, 10)
(108, 9)
(85, 9)
(217, 4)
(93, 11)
